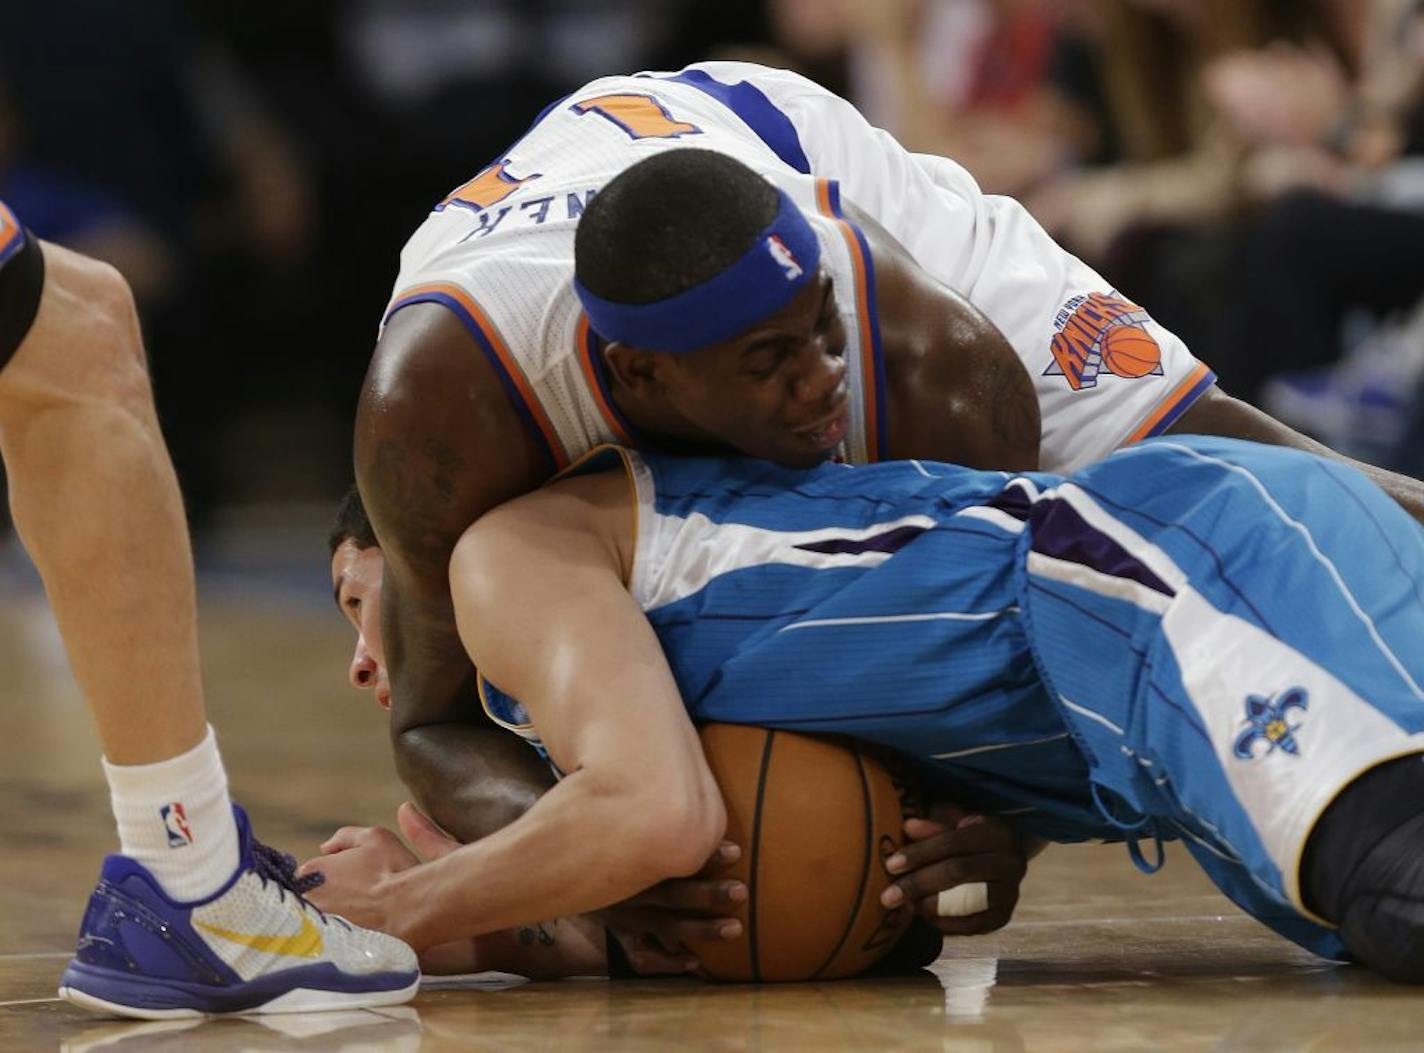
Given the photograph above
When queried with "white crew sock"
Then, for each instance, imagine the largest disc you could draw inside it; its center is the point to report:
(175, 818)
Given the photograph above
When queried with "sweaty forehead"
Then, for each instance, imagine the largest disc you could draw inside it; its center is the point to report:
(342, 561)
(356, 572)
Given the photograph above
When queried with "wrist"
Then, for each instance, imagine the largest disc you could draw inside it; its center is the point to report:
(399, 911)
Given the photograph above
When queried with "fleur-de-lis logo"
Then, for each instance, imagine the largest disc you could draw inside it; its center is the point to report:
(1266, 721)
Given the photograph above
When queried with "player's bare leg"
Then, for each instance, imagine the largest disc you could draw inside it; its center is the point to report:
(194, 916)
(96, 502)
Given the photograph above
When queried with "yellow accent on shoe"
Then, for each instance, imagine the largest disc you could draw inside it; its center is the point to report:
(303, 944)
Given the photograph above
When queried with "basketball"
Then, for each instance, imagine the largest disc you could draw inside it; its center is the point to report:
(1130, 352)
(815, 818)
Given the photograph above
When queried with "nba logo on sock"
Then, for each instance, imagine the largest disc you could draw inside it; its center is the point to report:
(175, 820)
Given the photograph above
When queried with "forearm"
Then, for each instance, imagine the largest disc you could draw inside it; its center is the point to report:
(1218, 414)
(546, 950)
(585, 844)
(468, 775)
(471, 779)
(540, 603)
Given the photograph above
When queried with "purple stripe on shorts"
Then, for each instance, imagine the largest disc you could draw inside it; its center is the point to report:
(1013, 500)
(1059, 531)
(890, 541)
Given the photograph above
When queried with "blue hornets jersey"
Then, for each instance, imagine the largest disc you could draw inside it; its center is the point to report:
(879, 603)
(1194, 638)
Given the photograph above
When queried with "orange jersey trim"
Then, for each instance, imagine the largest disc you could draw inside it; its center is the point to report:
(1174, 405)
(583, 340)
(827, 201)
(516, 384)
(12, 235)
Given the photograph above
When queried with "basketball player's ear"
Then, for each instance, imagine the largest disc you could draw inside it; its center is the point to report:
(633, 368)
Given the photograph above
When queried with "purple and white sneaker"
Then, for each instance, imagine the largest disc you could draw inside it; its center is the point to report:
(255, 946)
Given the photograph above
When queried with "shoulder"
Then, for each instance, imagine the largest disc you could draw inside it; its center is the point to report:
(584, 522)
(957, 389)
(438, 442)
(597, 495)
(918, 314)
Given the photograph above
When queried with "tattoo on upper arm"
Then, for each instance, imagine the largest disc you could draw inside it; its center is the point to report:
(540, 933)
(448, 465)
(414, 498)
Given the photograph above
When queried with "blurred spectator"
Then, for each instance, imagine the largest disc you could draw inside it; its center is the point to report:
(254, 169)
(63, 209)
(1332, 261)
(964, 79)
(156, 153)
(961, 78)
(1179, 160)
(1161, 218)
(810, 37)
(135, 99)
(455, 81)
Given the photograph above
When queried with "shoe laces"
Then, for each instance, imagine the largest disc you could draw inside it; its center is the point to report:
(280, 867)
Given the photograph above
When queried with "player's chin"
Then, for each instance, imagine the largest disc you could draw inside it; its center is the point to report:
(799, 454)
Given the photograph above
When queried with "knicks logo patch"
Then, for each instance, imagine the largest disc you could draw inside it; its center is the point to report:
(12, 235)
(175, 821)
(785, 258)
(1268, 721)
(1100, 333)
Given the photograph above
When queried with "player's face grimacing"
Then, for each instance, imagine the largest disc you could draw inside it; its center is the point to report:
(356, 579)
(777, 391)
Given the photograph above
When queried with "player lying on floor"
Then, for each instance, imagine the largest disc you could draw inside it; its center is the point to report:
(950, 848)
(1195, 638)
(841, 338)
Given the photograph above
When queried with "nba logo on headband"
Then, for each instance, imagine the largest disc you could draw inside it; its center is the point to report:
(777, 263)
(784, 257)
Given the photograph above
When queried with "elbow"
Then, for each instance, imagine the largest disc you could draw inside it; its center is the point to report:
(462, 793)
(411, 756)
(680, 831)
(415, 768)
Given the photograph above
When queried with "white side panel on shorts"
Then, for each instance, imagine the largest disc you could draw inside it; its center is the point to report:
(1223, 660)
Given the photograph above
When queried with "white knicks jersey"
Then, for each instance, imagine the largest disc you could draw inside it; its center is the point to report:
(499, 252)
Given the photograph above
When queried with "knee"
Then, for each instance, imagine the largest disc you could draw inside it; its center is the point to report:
(84, 347)
(1385, 931)
(1381, 910)
(110, 310)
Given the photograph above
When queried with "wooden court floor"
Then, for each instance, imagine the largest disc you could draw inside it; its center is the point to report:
(1099, 957)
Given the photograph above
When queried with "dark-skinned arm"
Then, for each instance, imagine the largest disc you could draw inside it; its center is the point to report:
(437, 445)
(1217, 413)
(957, 390)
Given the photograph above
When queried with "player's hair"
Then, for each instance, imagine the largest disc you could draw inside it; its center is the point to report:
(351, 523)
(668, 223)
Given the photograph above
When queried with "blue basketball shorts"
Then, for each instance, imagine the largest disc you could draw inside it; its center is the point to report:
(1233, 633)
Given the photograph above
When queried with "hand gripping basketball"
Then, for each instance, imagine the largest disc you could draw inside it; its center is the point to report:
(961, 871)
(815, 817)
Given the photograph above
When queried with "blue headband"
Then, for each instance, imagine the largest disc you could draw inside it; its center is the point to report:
(781, 260)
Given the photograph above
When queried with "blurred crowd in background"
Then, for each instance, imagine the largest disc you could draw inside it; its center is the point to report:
(1251, 171)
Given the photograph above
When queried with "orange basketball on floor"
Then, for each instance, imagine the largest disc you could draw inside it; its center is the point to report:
(815, 818)
(1130, 352)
